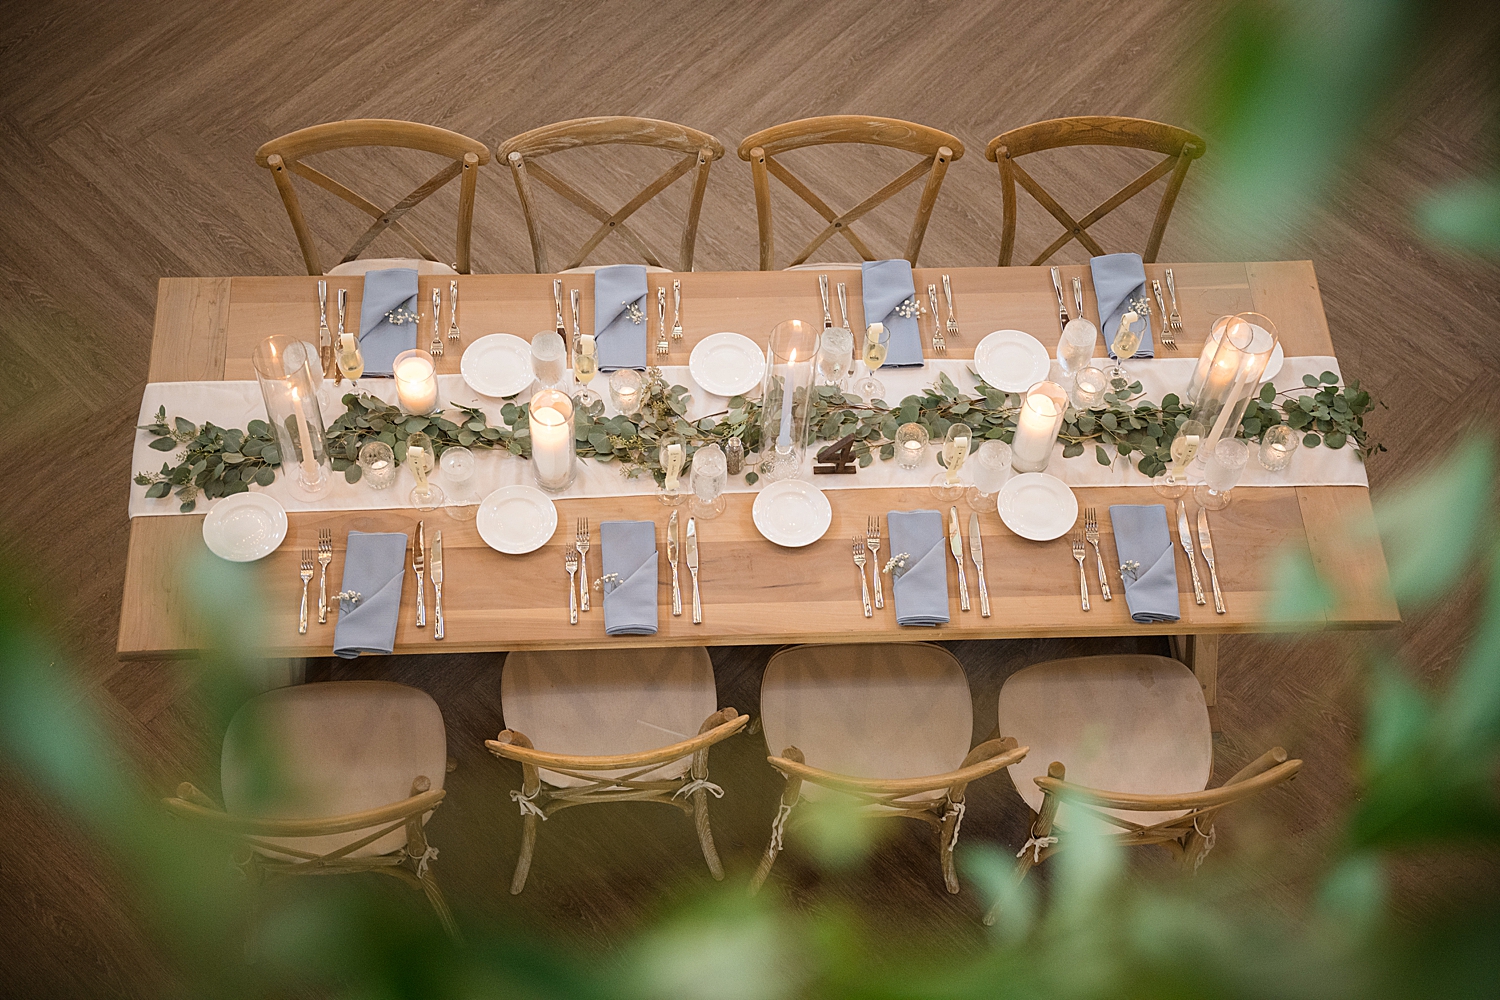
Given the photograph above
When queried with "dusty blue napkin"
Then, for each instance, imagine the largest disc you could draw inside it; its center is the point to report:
(1141, 536)
(1119, 278)
(374, 566)
(921, 589)
(380, 340)
(630, 554)
(885, 285)
(620, 342)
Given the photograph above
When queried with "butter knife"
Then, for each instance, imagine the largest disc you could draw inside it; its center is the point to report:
(956, 543)
(692, 561)
(562, 330)
(1185, 534)
(823, 289)
(573, 297)
(672, 559)
(1206, 542)
(338, 373)
(437, 586)
(1078, 298)
(976, 552)
(419, 566)
(1062, 310)
(325, 338)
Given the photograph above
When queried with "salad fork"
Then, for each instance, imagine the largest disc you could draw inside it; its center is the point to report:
(306, 571)
(1091, 532)
(570, 560)
(662, 345)
(938, 343)
(453, 333)
(1083, 580)
(1166, 324)
(436, 350)
(325, 556)
(581, 543)
(952, 320)
(676, 310)
(1174, 320)
(872, 540)
(864, 585)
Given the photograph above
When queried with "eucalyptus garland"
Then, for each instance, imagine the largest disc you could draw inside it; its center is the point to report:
(218, 462)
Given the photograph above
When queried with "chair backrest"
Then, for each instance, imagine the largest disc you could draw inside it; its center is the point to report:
(936, 149)
(984, 759)
(698, 149)
(1179, 148)
(284, 156)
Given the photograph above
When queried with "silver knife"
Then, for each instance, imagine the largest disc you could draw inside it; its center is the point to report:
(1062, 310)
(844, 306)
(956, 543)
(976, 551)
(672, 558)
(562, 331)
(419, 565)
(1185, 533)
(1078, 298)
(343, 299)
(1207, 542)
(573, 297)
(823, 288)
(692, 561)
(437, 586)
(325, 338)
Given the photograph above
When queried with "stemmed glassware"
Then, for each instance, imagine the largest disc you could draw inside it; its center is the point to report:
(585, 367)
(1173, 482)
(1126, 342)
(1075, 348)
(458, 467)
(673, 457)
(956, 444)
(877, 344)
(426, 494)
(836, 355)
(549, 358)
(1222, 473)
(989, 468)
(710, 477)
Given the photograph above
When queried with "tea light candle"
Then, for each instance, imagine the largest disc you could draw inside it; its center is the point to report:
(1036, 427)
(416, 381)
(551, 443)
(784, 439)
(458, 465)
(625, 390)
(1089, 386)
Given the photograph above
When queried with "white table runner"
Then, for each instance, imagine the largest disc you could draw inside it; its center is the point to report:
(235, 404)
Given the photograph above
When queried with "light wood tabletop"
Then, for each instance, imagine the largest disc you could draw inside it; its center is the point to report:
(753, 591)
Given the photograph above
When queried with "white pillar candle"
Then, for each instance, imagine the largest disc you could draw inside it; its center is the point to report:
(1036, 427)
(416, 381)
(310, 471)
(784, 438)
(551, 443)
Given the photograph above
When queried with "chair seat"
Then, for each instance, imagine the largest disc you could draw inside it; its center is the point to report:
(594, 703)
(361, 267)
(592, 268)
(895, 710)
(1134, 724)
(331, 749)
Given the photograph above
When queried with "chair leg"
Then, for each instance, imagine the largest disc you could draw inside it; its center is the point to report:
(523, 863)
(440, 906)
(773, 848)
(706, 835)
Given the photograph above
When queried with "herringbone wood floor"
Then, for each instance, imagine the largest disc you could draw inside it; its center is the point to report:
(129, 129)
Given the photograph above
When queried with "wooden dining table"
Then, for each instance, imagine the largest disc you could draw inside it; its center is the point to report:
(755, 592)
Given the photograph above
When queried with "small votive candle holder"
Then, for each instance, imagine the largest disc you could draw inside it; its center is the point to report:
(1276, 448)
(911, 445)
(1089, 386)
(625, 390)
(377, 465)
(416, 381)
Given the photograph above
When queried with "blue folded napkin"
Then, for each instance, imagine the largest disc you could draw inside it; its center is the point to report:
(921, 588)
(619, 340)
(374, 566)
(1141, 536)
(885, 285)
(1119, 278)
(380, 339)
(630, 555)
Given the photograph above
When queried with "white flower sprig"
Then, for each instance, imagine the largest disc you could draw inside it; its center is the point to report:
(896, 566)
(909, 307)
(352, 596)
(401, 316)
(633, 310)
(602, 584)
(1130, 568)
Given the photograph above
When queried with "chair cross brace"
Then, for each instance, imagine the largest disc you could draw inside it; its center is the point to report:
(384, 218)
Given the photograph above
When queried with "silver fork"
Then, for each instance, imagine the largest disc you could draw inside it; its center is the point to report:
(662, 346)
(325, 556)
(872, 540)
(1174, 320)
(1091, 532)
(581, 543)
(437, 312)
(676, 311)
(952, 320)
(306, 570)
(1083, 580)
(938, 343)
(1166, 324)
(570, 560)
(453, 333)
(864, 585)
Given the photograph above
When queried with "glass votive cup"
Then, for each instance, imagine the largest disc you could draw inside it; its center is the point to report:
(1276, 448)
(989, 468)
(377, 465)
(625, 390)
(911, 445)
(1089, 386)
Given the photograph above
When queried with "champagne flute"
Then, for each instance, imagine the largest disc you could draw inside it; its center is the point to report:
(672, 453)
(1184, 449)
(585, 367)
(351, 359)
(1126, 341)
(956, 444)
(426, 494)
(877, 343)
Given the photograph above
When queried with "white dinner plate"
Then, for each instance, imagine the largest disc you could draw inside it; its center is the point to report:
(1273, 365)
(792, 513)
(516, 519)
(1037, 506)
(244, 527)
(1011, 361)
(727, 364)
(497, 365)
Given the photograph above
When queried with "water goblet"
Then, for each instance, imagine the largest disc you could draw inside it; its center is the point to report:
(458, 467)
(835, 355)
(426, 495)
(549, 358)
(1223, 471)
(1075, 348)
(989, 468)
(710, 477)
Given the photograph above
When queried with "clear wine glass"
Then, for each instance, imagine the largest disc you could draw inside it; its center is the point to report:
(672, 453)
(585, 367)
(426, 495)
(877, 344)
(1173, 482)
(1126, 342)
(1222, 473)
(956, 444)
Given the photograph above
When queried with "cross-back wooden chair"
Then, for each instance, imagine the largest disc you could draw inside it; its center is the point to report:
(286, 155)
(887, 726)
(1179, 148)
(698, 149)
(1134, 733)
(625, 701)
(351, 784)
(937, 150)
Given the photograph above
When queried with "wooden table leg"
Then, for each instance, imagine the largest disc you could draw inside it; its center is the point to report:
(1201, 654)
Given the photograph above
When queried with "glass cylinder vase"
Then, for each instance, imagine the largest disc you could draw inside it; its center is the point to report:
(1231, 375)
(289, 381)
(554, 454)
(786, 398)
(1037, 425)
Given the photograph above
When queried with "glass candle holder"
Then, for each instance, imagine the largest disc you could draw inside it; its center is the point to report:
(554, 454)
(426, 494)
(1037, 425)
(549, 358)
(625, 391)
(956, 444)
(1276, 448)
(416, 381)
(989, 468)
(377, 465)
(710, 477)
(1089, 386)
(1224, 466)
(289, 384)
(1075, 348)
(786, 392)
(911, 445)
(1232, 376)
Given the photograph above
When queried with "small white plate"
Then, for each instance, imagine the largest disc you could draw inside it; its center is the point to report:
(1011, 361)
(1273, 365)
(1037, 506)
(497, 365)
(727, 364)
(516, 519)
(792, 513)
(244, 527)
